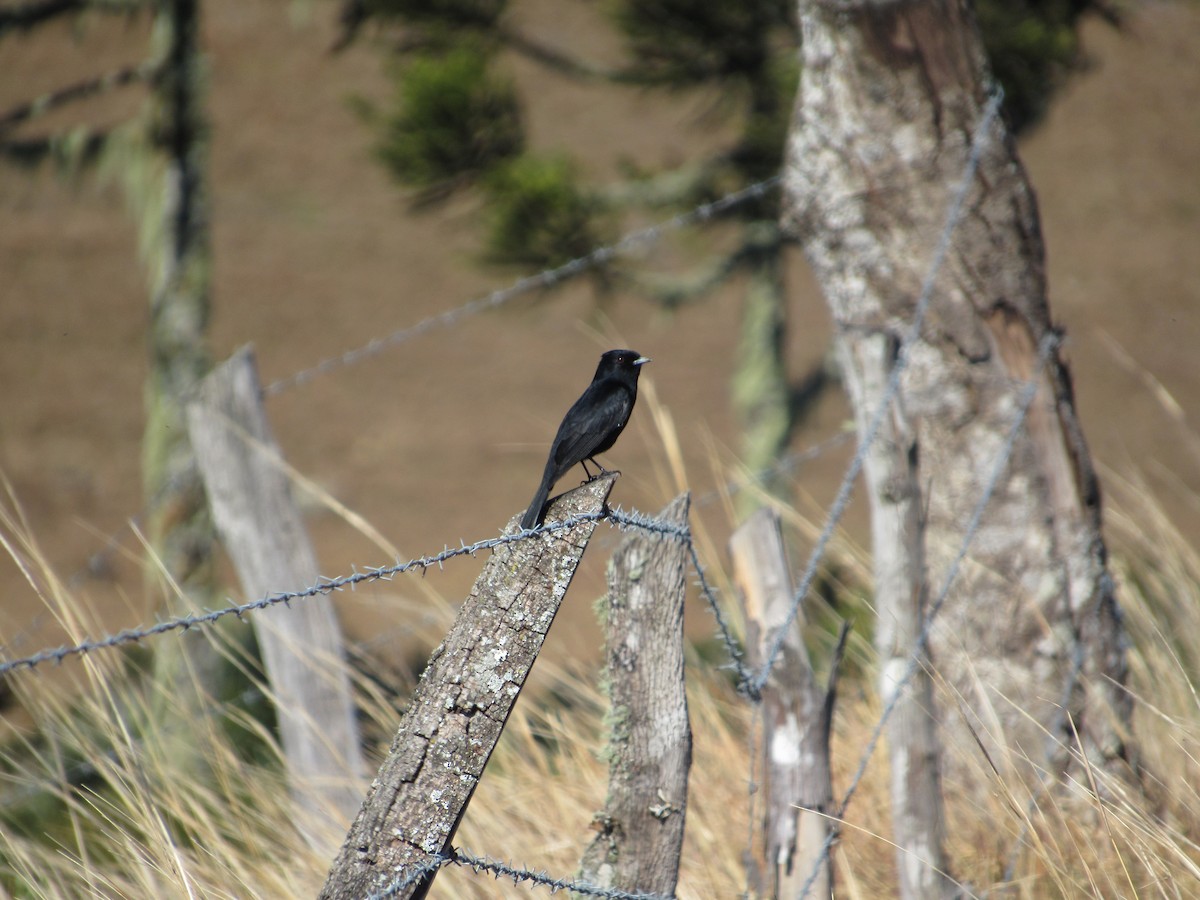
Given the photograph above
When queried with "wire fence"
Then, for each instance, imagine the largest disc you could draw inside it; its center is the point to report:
(701, 214)
(620, 519)
(483, 865)
(750, 682)
(322, 587)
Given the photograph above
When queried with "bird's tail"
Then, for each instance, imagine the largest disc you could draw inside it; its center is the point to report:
(533, 515)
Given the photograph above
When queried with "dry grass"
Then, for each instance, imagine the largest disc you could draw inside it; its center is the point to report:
(97, 803)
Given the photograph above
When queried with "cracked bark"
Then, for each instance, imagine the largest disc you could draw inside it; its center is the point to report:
(640, 829)
(460, 706)
(890, 96)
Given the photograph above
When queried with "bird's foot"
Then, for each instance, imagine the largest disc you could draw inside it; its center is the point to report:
(603, 471)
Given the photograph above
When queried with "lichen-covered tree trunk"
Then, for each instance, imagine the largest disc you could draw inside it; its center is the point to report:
(165, 176)
(761, 394)
(890, 95)
(172, 204)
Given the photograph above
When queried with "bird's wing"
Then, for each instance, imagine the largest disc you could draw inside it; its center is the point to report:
(603, 408)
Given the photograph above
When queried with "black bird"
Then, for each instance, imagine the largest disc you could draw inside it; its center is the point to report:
(592, 425)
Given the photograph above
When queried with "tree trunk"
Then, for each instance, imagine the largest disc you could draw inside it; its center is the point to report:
(166, 180)
(170, 193)
(890, 96)
(640, 830)
(761, 394)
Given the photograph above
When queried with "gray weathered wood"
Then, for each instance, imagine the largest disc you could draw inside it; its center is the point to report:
(797, 786)
(650, 748)
(898, 540)
(460, 706)
(262, 531)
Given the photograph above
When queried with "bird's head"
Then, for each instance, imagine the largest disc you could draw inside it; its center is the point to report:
(627, 361)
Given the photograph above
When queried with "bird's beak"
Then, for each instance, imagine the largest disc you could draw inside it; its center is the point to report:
(641, 360)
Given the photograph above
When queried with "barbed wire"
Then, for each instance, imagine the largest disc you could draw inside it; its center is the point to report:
(659, 526)
(99, 560)
(544, 279)
(547, 278)
(411, 877)
(1048, 343)
(639, 520)
(620, 518)
(750, 682)
(324, 586)
(517, 874)
(707, 592)
(866, 438)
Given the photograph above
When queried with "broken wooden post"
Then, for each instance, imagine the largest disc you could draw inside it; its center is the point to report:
(261, 528)
(797, 787)
(459, 708)
(650, 748)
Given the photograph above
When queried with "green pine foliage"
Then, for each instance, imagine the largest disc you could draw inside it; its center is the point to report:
(1032, 46)
(447, 14)
(456, 121)
(540, 216)
(759, 151)
(689, 41)
(453, 117)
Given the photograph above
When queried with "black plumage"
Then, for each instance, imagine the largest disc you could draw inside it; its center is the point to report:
(592, 425)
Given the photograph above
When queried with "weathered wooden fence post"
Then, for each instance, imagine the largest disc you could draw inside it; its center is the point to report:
(262, 531)
(797, 788)
(460, 706)
(901, 595)
(650, 749)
